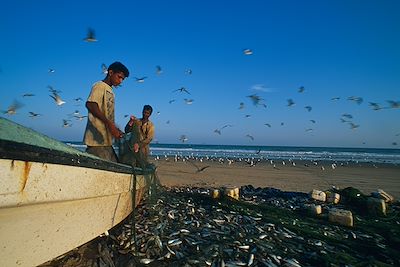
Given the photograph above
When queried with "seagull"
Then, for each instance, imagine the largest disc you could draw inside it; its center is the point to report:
(247, 116)
(282, 123)
(313, 121)
(182, 89)
(356, 99)
(183, 138)
(34, 115)
(301, 89)
(247, 52)
(141, 79)
(335, 98)
(226, 125)
(308, 108)
(394, 143)
(290, 102)
(394, 104)
(158, 70)
(188, 101)
(374, 106)
(353, 126)
(78, 99)
(104, 69)
(51, 70)
(12, 109)
(80, 117)
(171, 101)
(188, 72)
(90, 36)
(217, 131)
(250, 136)
(27, 94)
(267, 124)
(57, 99)
(309, 130)
(255, 99)
(241, 105)
(346, 115)
(66, 123)
(52, 90)
(197, 167)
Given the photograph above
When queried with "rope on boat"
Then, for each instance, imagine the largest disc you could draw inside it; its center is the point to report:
(133, 228)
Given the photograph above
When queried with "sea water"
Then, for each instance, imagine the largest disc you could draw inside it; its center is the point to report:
(373, 155)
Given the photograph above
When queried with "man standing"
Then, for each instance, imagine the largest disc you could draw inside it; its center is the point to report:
(100, 128)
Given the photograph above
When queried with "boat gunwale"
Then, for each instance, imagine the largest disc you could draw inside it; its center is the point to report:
(26, 152)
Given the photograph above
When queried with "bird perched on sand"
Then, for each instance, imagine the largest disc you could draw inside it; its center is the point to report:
(57, 99)
(182, 90)
(90, 36)
(247, 52)
(12, 109)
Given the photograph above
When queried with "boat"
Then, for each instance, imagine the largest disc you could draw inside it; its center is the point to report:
(54, 198)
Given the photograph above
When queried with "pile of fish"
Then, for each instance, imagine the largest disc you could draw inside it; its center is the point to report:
(185, 227)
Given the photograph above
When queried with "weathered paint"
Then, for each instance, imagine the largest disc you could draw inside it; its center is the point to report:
(60, 208)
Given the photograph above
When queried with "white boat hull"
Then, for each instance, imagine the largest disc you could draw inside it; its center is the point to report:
(48, 209)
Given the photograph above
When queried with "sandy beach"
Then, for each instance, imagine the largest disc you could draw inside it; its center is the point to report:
(303, 177)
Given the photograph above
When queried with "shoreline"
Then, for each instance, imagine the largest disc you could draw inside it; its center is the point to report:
(296, 176)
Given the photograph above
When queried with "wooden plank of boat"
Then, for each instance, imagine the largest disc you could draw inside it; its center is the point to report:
(54, 198)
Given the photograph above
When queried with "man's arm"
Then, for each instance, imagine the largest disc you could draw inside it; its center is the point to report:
(149, 137)
(93, 108)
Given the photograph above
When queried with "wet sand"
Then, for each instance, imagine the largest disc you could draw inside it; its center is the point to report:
(303, 177)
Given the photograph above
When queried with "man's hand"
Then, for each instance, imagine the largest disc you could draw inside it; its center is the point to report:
(132, 120)
(136, 147)
(116, 133)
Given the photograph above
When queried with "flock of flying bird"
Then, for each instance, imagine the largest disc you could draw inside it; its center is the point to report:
(254, 98)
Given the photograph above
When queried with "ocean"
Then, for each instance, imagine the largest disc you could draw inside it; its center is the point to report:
(370, 155)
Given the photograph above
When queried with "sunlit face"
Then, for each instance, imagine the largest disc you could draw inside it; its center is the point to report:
(116, 78)
(146, 114)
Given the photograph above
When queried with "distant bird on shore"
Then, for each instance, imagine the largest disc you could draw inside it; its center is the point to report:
(34, 115)
(141, 79)
(356, 99)
(309, 108)
(90, 36)
(12, 109)
(290, 102)
(301, 89)
(182, 90)
(57, 99)
(247, 52)
(158, 70)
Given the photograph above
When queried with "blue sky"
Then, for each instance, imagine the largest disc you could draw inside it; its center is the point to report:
(332, 48)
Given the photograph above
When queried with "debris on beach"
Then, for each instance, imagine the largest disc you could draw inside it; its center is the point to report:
(186, 226)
